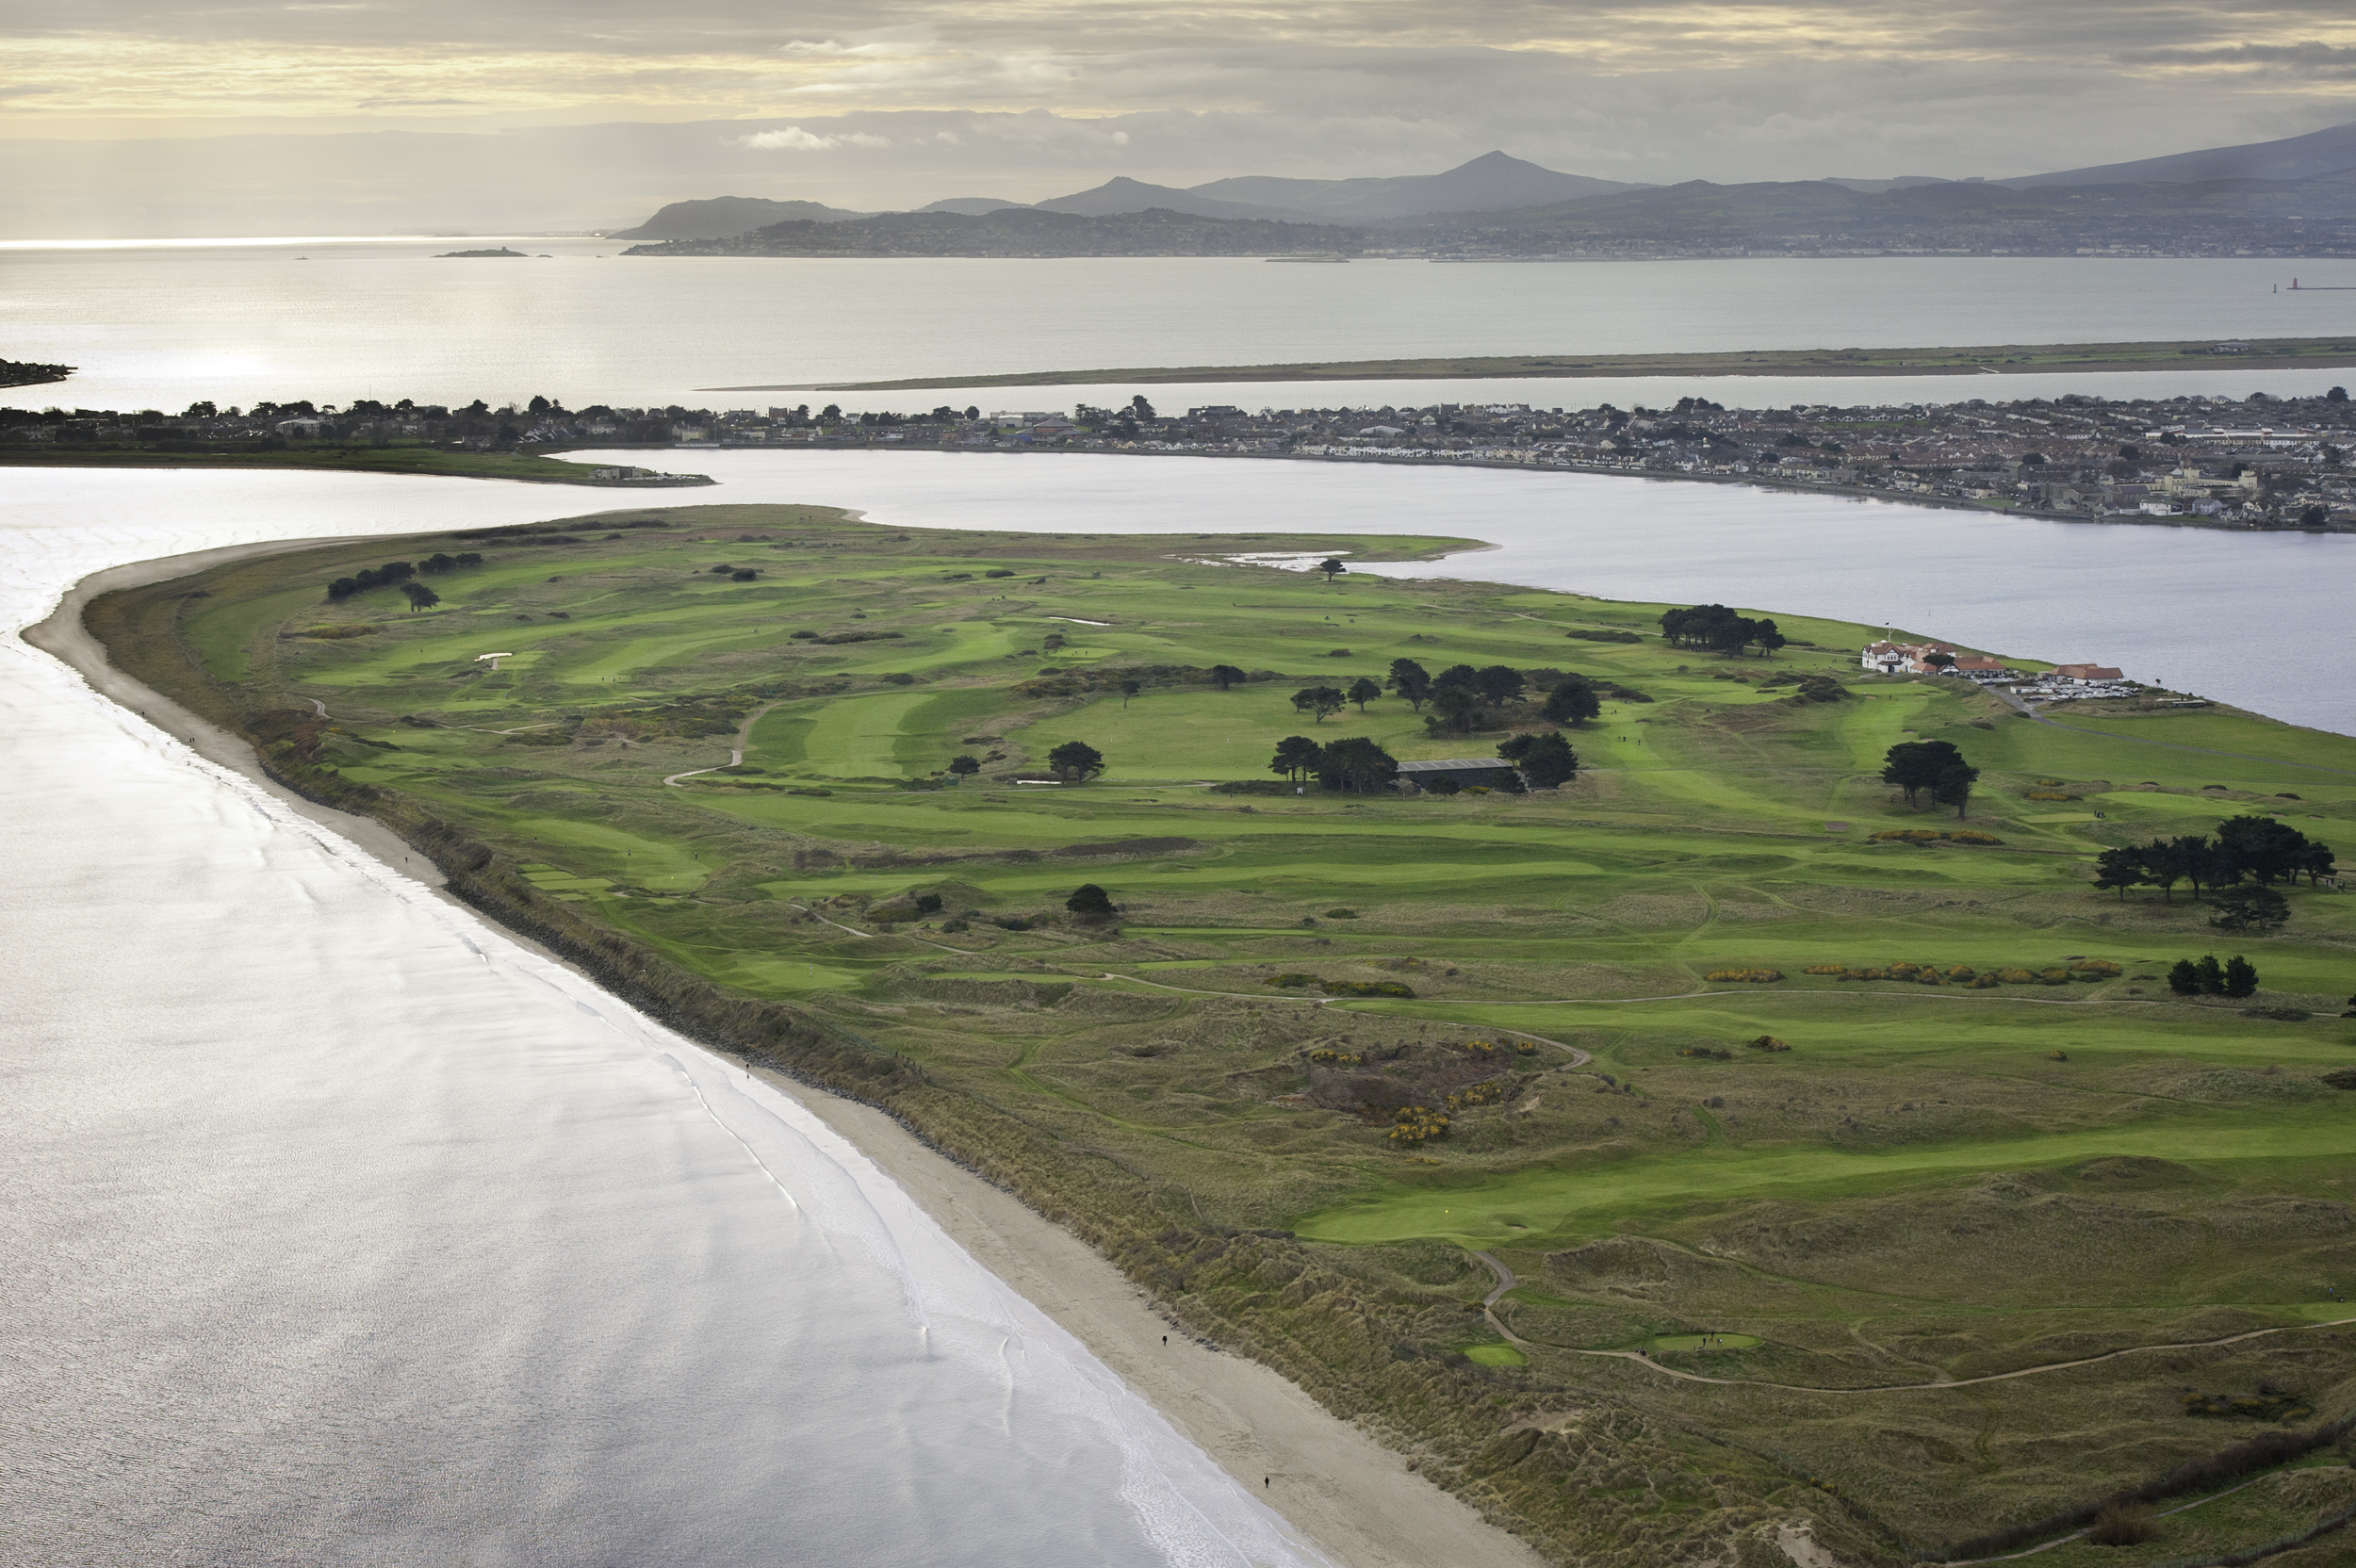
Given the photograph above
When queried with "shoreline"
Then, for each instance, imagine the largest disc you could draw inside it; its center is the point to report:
(1348, 1493)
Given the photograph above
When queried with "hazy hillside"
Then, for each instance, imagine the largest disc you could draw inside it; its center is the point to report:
(1123, 194)
(2298, 158)
(1491, 183)
(1023, 232)
(720, 217)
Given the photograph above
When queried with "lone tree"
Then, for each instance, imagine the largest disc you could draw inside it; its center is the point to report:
(1076, 761)
(420, 596)
(1573, 702)
(1412, 681)
(963, 767)
(1318, 701)
(1916, 765)
(1130, 687)
(1332, 567)
(1542, 761)
(1355, 764)
(1362, 691)
(1296, 755)
(1224, 675)
(1090, 902)
(1457, 709)
(1500, 683)
(1954, 786)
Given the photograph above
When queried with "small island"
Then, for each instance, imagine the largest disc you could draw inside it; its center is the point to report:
(499, 251)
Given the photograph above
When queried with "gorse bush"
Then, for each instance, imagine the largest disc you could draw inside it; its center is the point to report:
(1746, 976)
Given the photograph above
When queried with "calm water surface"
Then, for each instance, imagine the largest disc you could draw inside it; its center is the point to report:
(161, 326)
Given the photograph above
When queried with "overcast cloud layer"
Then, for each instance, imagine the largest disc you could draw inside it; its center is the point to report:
(588, 112)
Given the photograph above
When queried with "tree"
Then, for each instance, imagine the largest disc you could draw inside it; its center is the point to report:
(200, 409)
(1076, 761)
(2212, 978)
(420, 596)
(1130, 687)
(1318, 700)
(1296, 755)
(2316, 862)
(1500, 683)
(1090, 902)
(1916, 765)
(1954, 786)
(1457, 708)
(1457, 675)
(1362, 691)
(2183, 978)
(962, 768)
(1412, 681)
(1941, 660)
(1143, 410)
(1355, 764)
(1224, 675)
(2240, 978)
(1542, 761)
(2266, 849)
(1572, 702)
(2254, 909)
(1769, 638)
(1332, 566)
(2119, 868)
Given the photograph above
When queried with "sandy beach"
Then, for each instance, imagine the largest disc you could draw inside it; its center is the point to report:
(1341, 1488)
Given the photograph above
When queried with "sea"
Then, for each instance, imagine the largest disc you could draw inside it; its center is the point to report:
(342, 1228)
(160, 325)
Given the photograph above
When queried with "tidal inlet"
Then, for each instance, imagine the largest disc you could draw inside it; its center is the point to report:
(1202, 790)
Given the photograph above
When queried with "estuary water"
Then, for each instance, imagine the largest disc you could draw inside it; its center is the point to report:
(162, 325)
(341, 1228)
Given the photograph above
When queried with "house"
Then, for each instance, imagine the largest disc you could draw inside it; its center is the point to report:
(1978, 666)
(2086, 674)
(1462, 772)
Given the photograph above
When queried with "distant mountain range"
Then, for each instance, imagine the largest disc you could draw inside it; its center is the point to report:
(2294, 197)
(1492, 182)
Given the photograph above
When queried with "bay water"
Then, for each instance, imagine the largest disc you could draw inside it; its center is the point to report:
(160, 325)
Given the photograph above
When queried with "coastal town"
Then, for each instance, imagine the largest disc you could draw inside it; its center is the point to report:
(2259, 463)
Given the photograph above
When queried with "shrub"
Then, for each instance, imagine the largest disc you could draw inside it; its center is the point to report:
(1292, 982)
(1586, 635)
(1366, 987)
(1011, 923)
(1826, 968)
(1706, 1051)
(2123, 1525)
(1766, 1043)
(1341, 914)
(998, 571)
(1090, 902)
(2050, 794)
(1746, 976)
(2016, 977)
(337, 634)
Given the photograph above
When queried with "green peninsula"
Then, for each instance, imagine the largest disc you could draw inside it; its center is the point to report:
(1817, 1156)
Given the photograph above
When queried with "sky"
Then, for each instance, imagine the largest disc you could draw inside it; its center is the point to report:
(355, 116)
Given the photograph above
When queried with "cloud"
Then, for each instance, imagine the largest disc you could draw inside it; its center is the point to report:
(795, 140)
